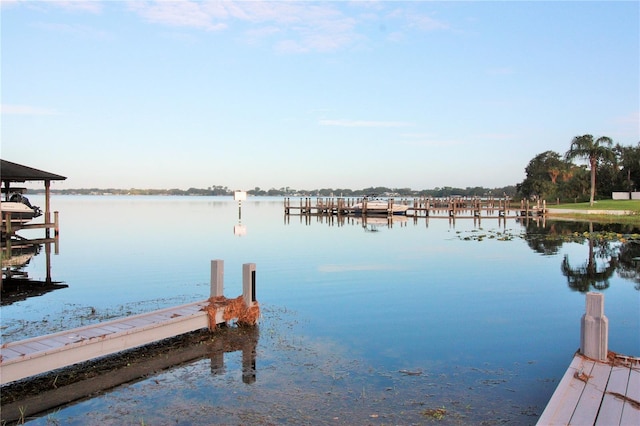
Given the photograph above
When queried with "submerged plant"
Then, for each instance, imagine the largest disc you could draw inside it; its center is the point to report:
(435, 413)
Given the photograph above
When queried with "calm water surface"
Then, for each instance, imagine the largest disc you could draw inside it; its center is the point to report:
(362, 324)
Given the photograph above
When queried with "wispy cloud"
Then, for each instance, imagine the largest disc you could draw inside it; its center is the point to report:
(289, 26)
(6, 109)
(363, 123)
(426, 23)
(199, 15)
(92, 6)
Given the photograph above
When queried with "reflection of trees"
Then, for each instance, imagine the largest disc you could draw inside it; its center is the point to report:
(628, 265)
(548, 240)
(608, 253)
(582, 278)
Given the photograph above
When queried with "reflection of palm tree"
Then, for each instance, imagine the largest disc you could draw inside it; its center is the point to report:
(587, 275)
(623, 257)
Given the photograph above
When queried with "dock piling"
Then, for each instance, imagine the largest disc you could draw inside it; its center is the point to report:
(594, 328)
(249, 283)
(217, 278)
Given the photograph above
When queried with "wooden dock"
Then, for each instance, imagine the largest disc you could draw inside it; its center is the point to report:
(427, 207)
(600, 387)
(596, 393)
(25, 358)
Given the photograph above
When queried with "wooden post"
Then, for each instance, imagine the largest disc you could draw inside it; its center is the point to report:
(56, 224)
(249, 283)
(594, 328)
(47, 198)
(7, 225)
(217, 278)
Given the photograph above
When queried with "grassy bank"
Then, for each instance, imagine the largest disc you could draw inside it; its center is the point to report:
(598, 212)
(630, 205)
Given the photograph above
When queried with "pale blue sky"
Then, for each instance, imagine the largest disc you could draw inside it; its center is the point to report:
(179, 94)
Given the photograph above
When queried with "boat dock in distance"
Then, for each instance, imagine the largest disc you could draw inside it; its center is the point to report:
(428, 207)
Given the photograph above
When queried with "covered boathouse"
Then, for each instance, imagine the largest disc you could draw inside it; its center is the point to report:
(12, 173)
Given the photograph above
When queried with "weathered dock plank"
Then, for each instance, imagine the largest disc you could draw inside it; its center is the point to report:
(611, 407)
(586, 410)
(631, 409)
(567, 394)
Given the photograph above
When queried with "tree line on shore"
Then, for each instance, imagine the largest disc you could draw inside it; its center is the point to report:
(610, 168)
(550, 176)
(446, 191)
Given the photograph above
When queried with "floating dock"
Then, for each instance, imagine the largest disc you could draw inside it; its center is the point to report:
(25, 358)
(600, 387)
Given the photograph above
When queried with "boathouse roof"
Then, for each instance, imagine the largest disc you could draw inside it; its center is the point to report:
(13, 172)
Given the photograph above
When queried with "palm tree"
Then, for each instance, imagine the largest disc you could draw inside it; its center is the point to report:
(594, 151)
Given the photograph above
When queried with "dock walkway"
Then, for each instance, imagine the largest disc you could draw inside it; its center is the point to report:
(596, 393)
(40, 354)
(29, 357)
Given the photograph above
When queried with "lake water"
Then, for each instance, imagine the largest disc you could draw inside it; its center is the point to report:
(360, 324)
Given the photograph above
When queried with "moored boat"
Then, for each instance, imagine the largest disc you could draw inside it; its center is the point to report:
(20, 209)
(376, 206)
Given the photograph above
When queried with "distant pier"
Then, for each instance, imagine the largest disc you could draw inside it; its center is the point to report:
(425, 207)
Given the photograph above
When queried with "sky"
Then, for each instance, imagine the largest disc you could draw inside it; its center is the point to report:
(309, 95)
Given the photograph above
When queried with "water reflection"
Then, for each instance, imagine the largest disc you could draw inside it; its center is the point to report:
(16, 285)
(68, 386)
(611, 248)
(629, 262)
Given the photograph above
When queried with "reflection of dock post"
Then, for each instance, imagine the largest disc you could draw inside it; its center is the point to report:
(217, 278)
(249, 361)
(249, 345)
(47, 255)
(594, 328)
(217, 359)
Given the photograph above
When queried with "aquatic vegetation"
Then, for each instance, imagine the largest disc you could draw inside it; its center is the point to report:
(435, 413)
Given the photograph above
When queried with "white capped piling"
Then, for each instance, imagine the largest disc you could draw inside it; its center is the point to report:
(217, 278)
(249, 283)
(594, 328)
